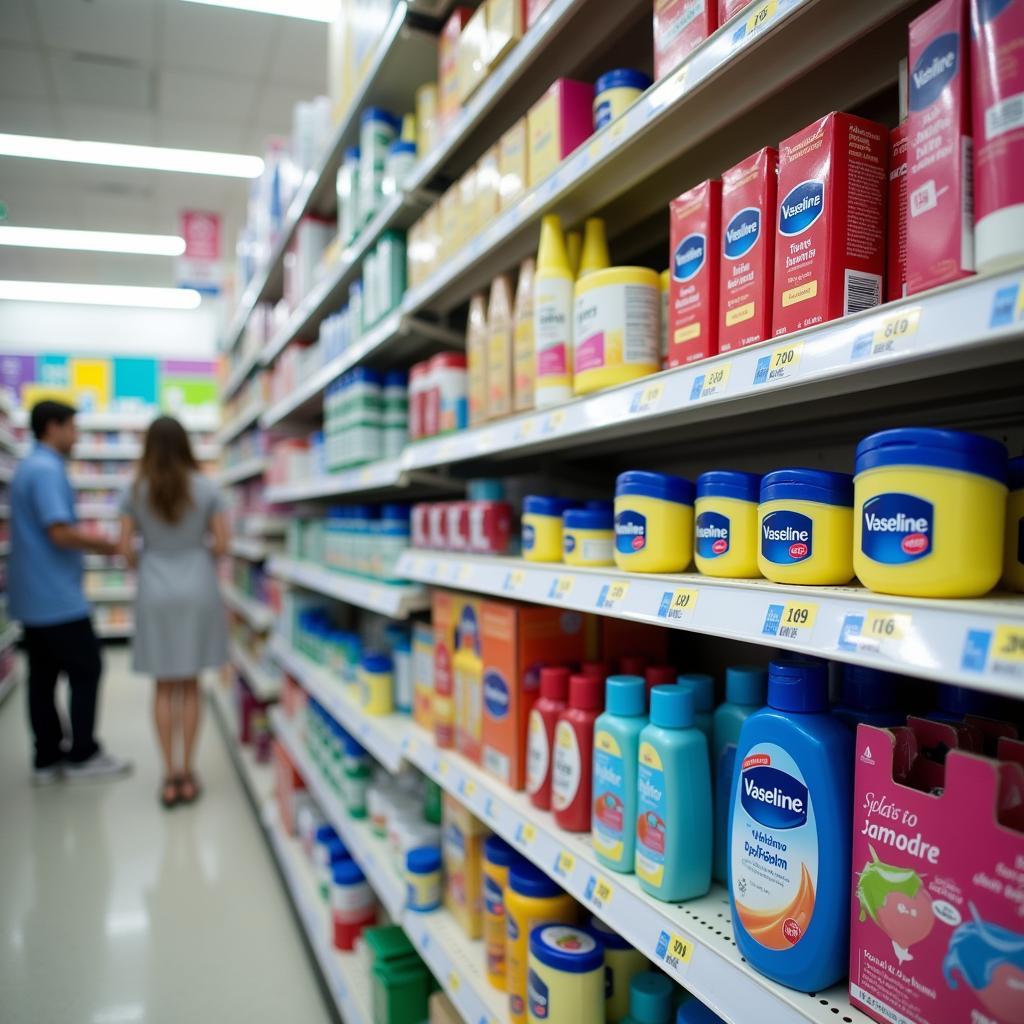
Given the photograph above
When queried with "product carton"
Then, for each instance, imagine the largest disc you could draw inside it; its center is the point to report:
(896, 263)
(940, 231)
(728, 8)
(558, 122)
(749, 202)
(506, 22)
(937, 908)
(534, 9)
(830, 241)
(695, 225)
(680, 26)
(468, 225)
(287, 782)
(462, 850)
(472, 57)
(458, 672)
(423, 674)
(513, 163)
(450, 223)
(620, 638)
(448, 105)
(488, 187)
(517, 639)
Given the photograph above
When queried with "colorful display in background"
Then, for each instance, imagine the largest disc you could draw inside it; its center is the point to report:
(111, 383)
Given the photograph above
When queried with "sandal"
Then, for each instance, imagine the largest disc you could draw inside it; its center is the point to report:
(189, 789)
(170, 792)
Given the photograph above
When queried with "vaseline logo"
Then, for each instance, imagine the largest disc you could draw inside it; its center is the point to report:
(495, 694)
(742, 232)
(896, 528)
(802, 207)
(934, 70)
(786, 537)
(712, 534)
(774, 798)
(689, 257)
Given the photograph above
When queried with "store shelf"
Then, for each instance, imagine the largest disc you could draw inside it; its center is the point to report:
(249, 548)
(112, 595)
(195, 420)
(239, 373)
(129, 450)
(265, 685)
(264, 526)
(258, 615)
(371, 477)
(949, 641)
(96, 510)
(246, 470)
(396, 600)
(238, 424)
(7, 440)
(100, 481)
(381, 735)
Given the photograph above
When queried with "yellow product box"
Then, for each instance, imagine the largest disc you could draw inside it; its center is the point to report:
(513, 163)
(462, 850)
(558, 122)
(427, 132)
(468, 225)
(472, 54)
(450, 226)
(505, 27)
(423, 675)
(448, 105)
(431, 221)
(488, 187)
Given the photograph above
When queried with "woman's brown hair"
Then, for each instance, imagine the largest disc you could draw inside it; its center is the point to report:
(167, 465)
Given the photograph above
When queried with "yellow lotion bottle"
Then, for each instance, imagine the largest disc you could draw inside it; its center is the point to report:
(552, 317)
(595, 248)
(574, 248)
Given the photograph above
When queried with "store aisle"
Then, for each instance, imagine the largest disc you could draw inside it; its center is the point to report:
(114, 911)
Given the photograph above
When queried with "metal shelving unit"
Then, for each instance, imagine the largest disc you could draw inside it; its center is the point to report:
(258, 616)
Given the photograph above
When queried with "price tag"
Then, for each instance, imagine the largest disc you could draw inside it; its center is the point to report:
(598, 892)
(489, 808)
(463, 573)
(561, 587)
(485, 440)
(564, 864)
(447, 449)
(647, 398)
(467, 787)
(595, 149)
(443, 768)
(524, 429)
(711, 384)
(513, 581)
(760, 16)
(553, 422)
(1009, 644)
(894, 333)
(677, 604)
(612, 594)
(618, 126)
(674, 949)
(885, 625)
(875, 630)
(793, 620)
(453, 982)
(669, 91)
(525, 834)
(781, 364)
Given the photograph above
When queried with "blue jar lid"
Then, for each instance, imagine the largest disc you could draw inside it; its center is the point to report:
(364, 375)
(655, 485)
(325, 833)
(746, 684)
(672, 707)
(528, 880)
(346, 872)
(360, 511)
(376, 661)
(726, 483)
(353, 748)
(609, 939)
(869, 689)
(703, 687)
(395, 511)
(497, 851)
(958, 701)
(352, 153)
(800, 686)
(485, 489)
(622, 78)
(626, 696)
(1015, 473)
(400, 146)
(424, 860)
(808, 485)
(336, 850)
(947, 449)
(396, 379)
(379, 114)
(599, 505)
(588, 519)
(651, 997)
(567, 949)
(693, 1011)
(541, 505)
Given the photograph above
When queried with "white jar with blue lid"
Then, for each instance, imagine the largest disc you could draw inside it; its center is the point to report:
(615, 92)
(566, 979)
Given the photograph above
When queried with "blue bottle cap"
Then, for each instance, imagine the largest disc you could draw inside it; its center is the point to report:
(800, 686)
(336, 850)
(485, 489)
(599, 505)
(528, 880)
(567, 949)
(376, 661)
(588, 519)
(703, 689)
(352, 153)
(947, 449)
(379, 114)
(542, 505)
(622, 78)
(958, 701)
(808, 485)
(869, 689)
(401, 146)
(655, 485)
(651, 996)
(353, 748)
(364, 375)
(726, 483)
(672, 707)
(746, 684)
(325, 833)
(626, 696)
(609, 939)
(693, 1011)
(395, 511)
(424, 860)
(1015, 473)
(396, 379)
(346, 872)
(497, 851)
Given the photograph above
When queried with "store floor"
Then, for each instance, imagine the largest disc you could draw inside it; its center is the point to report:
(114, 911)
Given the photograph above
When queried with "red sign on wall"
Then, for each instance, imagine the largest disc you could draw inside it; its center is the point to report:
(199, 266)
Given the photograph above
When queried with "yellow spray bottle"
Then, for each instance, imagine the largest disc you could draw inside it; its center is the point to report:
(595, 248)
(552, 316)
(574, 246)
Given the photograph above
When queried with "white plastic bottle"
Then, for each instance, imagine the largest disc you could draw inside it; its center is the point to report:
(552, 317)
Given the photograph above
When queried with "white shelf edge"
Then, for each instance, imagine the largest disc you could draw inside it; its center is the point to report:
(385, 473)
(111, 595)
(263, 685)
(256, 614)
(248, 417)
(246, 470)
(251, 549)
(241, 370)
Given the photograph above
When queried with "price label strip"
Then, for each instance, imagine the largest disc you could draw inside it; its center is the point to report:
(761, 14)
(647, 398)
(525, 834)
(711, 384)
(893, 334)
(793, 620)
(877, 631)
(677, 605)
(1001, 652)
(598, 892)
(553, 422)
(782, 364)
(513, 581)
(674, 950)
(561, 587)
(565, 862)
(612, 594)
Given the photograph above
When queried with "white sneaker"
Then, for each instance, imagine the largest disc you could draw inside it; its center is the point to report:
(100, 766)
(44, 776)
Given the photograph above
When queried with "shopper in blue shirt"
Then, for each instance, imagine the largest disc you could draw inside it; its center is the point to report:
(45, 593)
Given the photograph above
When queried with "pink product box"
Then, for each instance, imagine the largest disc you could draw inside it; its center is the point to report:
(420, 525)
(937, 909)
(457, 525)
(680, 26)
(896, 249)
(830, 227)
(940, 199)
(437, 525)
(728, 8)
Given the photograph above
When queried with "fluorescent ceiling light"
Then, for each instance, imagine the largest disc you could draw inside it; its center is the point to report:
(308, 10)
(116, 154)
(100, 294)
(92, 241)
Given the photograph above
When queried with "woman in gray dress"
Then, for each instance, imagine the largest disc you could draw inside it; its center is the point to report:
(179, 619)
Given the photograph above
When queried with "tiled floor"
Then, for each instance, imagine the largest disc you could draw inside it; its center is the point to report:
(114, 911)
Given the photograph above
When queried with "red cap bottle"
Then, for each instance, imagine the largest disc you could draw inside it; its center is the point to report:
(540, 733)
(573, 763)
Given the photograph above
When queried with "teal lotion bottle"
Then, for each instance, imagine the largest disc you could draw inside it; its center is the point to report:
(616, 757)
(745, 689)
(673, 828)
(789, 871)
(651, 999)
(868, 695)
(703, 701)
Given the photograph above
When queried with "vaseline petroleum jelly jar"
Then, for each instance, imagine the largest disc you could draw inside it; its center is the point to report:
(542, 527)
(566, 979)
(805, 527)
(588, 536)
(653, 522)
(1013, 546)
(725, 541)
(615, 92)
(930, 508)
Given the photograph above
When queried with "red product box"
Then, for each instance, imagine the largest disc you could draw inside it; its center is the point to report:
(830, 240)
(940, 197)
(896, 249)
(437, 526)
(421, 525)
(457, 518)
(695, 225)
(728, 8)
(490, 527)
(680, 26)
(749, 201)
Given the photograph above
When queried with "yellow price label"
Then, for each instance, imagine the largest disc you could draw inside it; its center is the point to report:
(595, 148)
(880, 626)
(525, 834)
(894, 329)
(677, 604)
(797, 618)
(513, 580)
(525, 429)
(784, 362)
(565, 863)
(612, 594)
(443, 768)
(453, 982)
(553, 421)
(464, 572)
(647, 398)
(599, 892)
(618, 126)
(679, 951)
(1009, 644)
(761, 15)
(715, 381)
(561, 587)
(468, 787)
(447, 449)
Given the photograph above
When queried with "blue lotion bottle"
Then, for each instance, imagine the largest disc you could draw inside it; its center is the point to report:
(745, 689)
(868, 695)
(673, 827)
(693, 1011)
(616, 755)
(789, 827)
(703, 701)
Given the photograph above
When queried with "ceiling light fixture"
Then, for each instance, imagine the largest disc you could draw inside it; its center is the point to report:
(92, 241)
(308, 10)
(116, 154)
(100, 294)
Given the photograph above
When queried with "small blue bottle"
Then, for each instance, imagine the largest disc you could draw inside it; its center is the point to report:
(693, 1011)
(789, 827)
(868, 695)
(703, 701)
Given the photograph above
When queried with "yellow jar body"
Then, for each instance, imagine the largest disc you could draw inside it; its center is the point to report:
(652, 534)
(588, 547)
(376, 692)
(1013, 545)
(826, 531)
(495, 890)
(725, 538)
(542, 538)
(522, 915)
(569, 996)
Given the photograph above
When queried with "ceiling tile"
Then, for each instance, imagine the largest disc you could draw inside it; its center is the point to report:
(273, 112)
(102, 124)
(23, 117)
(16, 23)
(23, 74)
(299, 57)
(110, 28)
(102, 82)
(188, 93)
(192, 133)
(198, 37)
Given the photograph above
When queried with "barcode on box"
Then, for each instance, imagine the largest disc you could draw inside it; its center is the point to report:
(863, 291)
